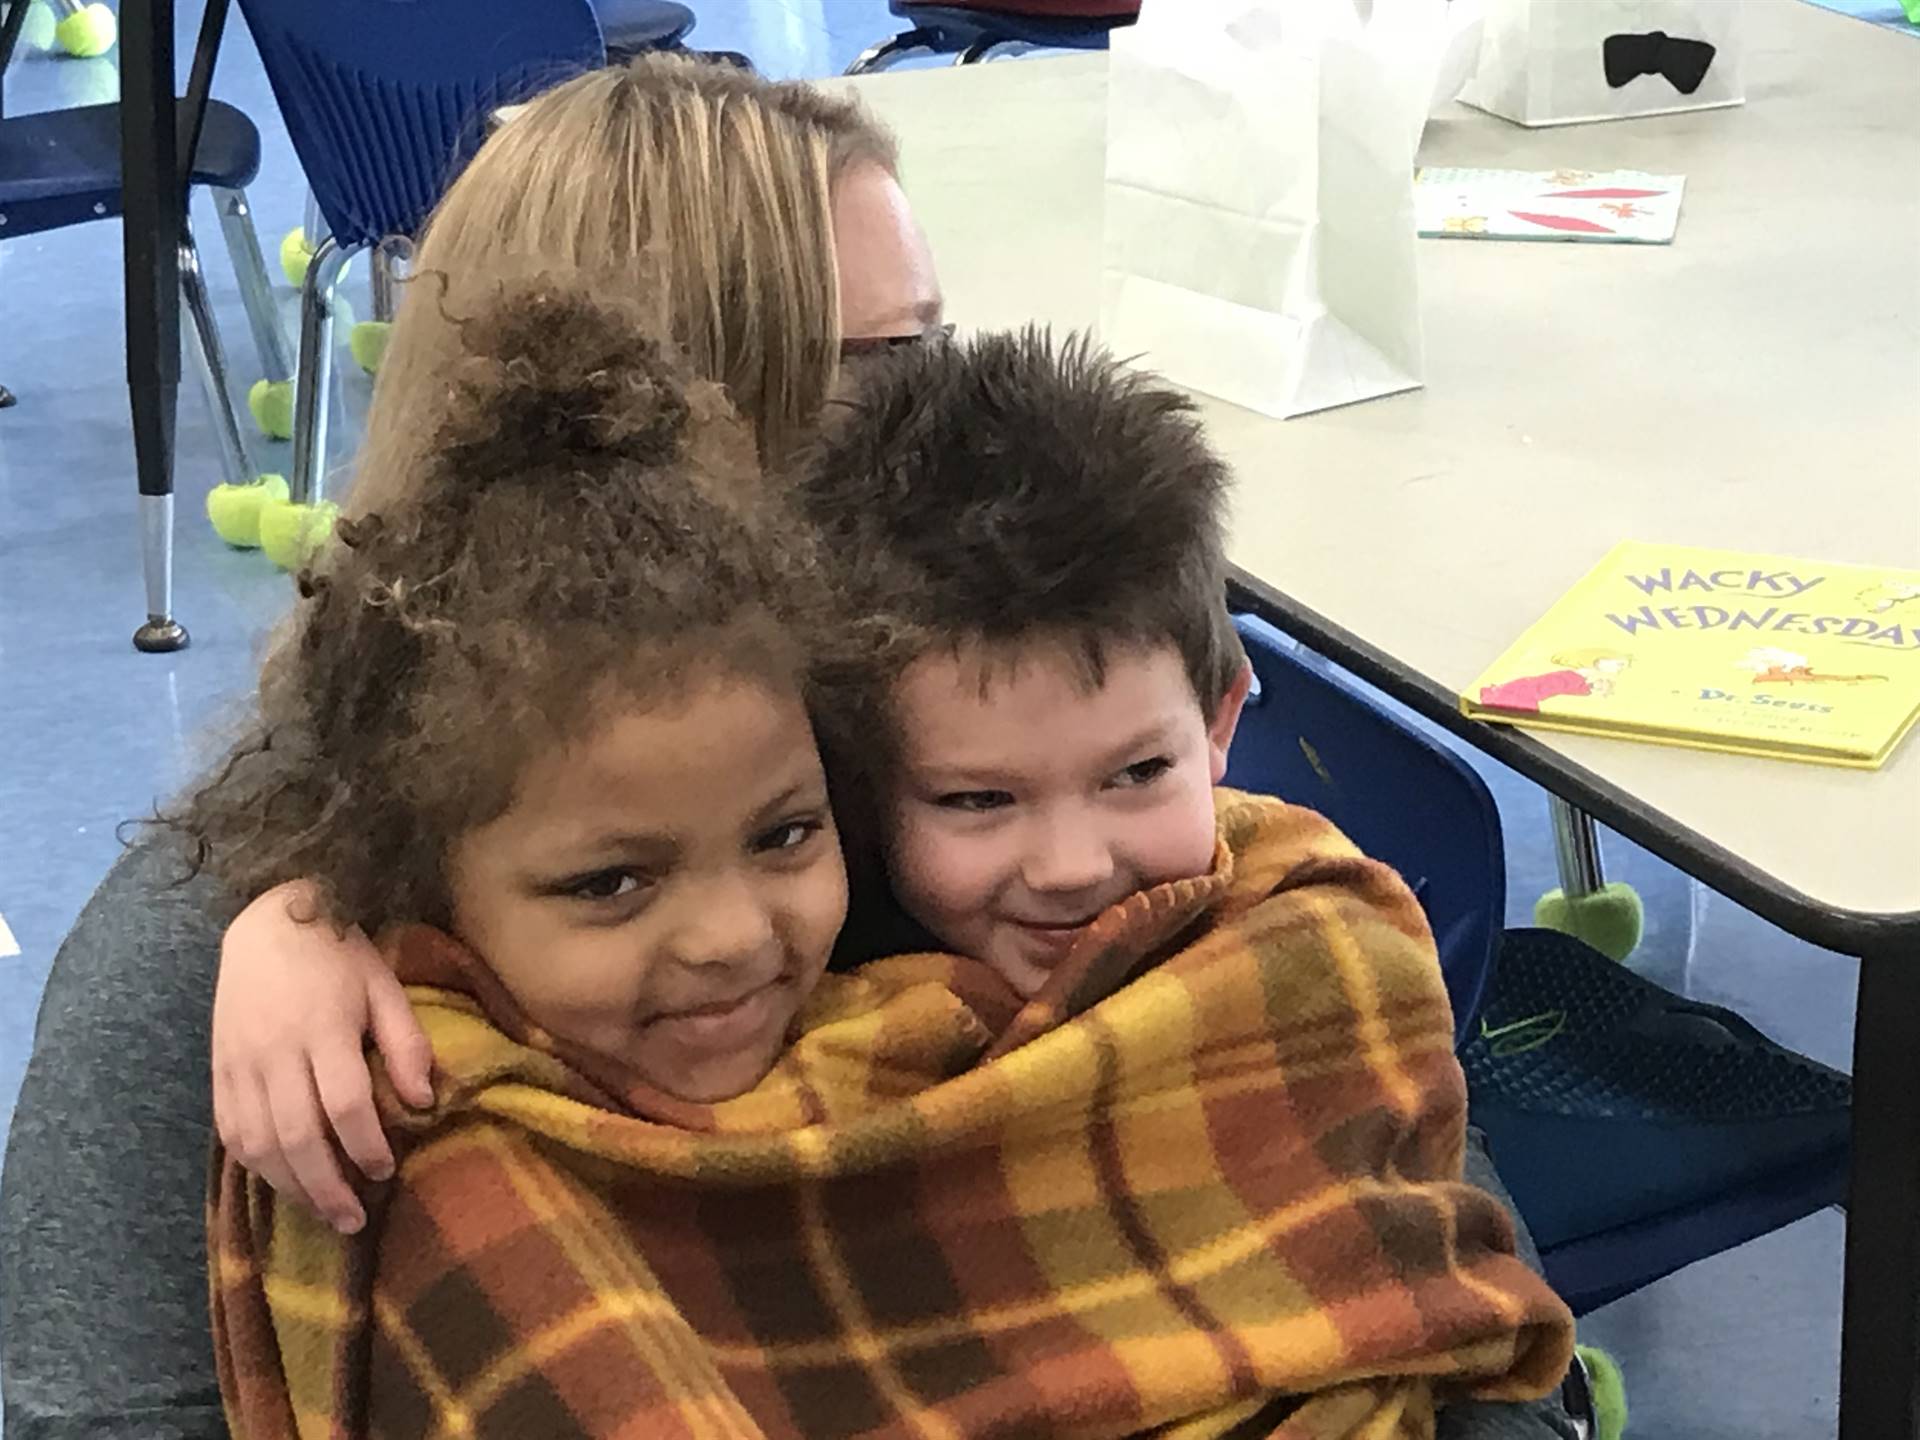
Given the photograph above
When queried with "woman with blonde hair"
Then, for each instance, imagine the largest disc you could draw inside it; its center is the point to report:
(764, 219)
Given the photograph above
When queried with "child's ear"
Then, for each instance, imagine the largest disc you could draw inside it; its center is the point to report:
(1226, 720)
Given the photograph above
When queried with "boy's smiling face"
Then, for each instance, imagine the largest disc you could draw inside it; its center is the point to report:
(1026, 800)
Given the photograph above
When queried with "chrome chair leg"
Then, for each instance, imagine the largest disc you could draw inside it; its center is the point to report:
(390, 257)
(256, 287)
(879, 57)
(313, 224)
(313, 385)
(210, 361)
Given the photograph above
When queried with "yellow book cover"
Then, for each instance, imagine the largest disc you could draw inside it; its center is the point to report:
(1721, 650)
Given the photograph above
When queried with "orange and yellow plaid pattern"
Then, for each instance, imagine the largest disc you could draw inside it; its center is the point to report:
(1207, 1184)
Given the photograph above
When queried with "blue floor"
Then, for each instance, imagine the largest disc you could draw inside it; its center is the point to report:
(91, 733)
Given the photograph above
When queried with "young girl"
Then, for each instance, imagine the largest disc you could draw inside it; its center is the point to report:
(772, 236)
(551, 704)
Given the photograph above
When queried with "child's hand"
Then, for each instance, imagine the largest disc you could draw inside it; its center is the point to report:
(291, 1011)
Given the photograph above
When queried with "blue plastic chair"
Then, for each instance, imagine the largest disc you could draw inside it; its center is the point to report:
(386, 101)
(1637, 1130)
(971, 33)
(62, 167)
(1311, 736)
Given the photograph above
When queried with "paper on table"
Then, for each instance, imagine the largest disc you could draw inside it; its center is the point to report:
(1259, 239)
(1617, 206)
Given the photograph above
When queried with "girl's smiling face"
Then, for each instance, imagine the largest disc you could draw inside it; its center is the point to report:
(666, 888)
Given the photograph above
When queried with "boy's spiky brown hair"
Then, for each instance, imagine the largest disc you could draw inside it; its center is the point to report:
(593, 527)
(1009, 490)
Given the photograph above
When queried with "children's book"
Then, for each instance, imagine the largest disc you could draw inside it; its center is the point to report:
(1622, 206)
(1721, 650)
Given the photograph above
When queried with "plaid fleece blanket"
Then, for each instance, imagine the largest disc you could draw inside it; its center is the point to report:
(1205, 1184)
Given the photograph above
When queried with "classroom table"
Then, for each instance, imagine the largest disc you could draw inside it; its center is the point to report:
(1749, 387)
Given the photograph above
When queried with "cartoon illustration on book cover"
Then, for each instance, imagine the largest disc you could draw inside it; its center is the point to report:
(1888, 593)
(1588, 672)
(1771, 665)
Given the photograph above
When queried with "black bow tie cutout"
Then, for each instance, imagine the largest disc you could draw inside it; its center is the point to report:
(1683, 62)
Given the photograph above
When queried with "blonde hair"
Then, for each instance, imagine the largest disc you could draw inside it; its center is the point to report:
(701, 187)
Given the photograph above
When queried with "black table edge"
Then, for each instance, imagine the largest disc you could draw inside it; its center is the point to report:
(1848, 932)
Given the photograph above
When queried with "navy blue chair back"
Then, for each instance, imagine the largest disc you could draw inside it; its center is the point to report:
(1314, 737)
(386, 100)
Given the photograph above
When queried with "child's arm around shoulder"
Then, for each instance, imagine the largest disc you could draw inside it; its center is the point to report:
(292, 1010)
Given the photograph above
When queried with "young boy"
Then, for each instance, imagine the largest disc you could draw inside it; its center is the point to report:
(1041, 531)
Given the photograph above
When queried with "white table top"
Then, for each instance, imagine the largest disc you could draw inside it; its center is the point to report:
(1752, 386)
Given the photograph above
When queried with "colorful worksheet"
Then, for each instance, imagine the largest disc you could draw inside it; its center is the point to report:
(1621, 206)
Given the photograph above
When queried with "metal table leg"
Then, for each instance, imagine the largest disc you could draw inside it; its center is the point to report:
(158, 139)
(1880, 1340)
(154, 204)
(1576, 849)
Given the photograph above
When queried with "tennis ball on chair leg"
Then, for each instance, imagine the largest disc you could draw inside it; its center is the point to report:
(235, 509)
(87, 33)
(368, 342)
(1608, 1388)
(295, 253)
(271, 403)
(1611, 920)
(290, 533)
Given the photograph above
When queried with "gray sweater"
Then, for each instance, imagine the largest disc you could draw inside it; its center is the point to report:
(103, 1280)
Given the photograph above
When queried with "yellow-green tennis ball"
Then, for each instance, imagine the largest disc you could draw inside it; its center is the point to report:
(1611, 920)
(295, 252)
(368, 342)
(38, 30)
(1608, 1387)
(87, 33)
(271, 402)
(290, 533)
(235, 509)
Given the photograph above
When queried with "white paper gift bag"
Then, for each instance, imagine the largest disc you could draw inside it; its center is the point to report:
(1560, 62)
(1259, 239)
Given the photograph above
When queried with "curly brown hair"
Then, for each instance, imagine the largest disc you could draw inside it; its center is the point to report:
(590, 528)
(1013, 490)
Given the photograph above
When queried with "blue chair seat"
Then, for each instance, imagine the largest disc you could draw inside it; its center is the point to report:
(62, 167)
(633, 27)
(1694, 1131)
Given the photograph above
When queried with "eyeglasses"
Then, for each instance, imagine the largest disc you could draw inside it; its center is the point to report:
(867, 346)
